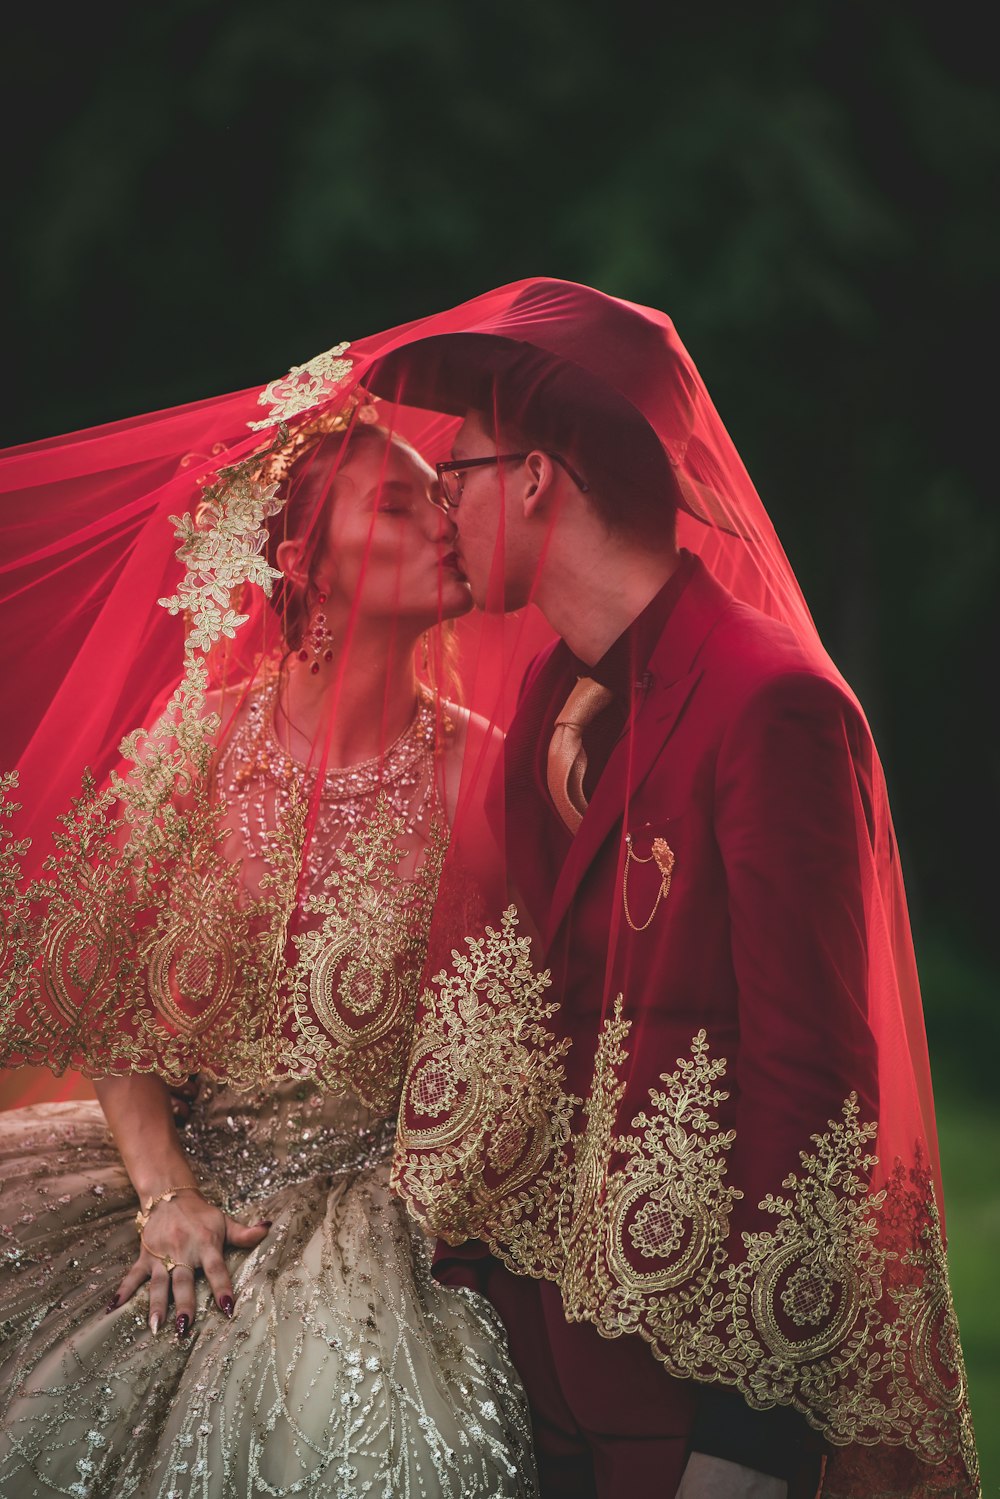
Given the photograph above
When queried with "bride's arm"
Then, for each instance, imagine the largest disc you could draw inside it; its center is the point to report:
(187, 1230)
(137, 1108)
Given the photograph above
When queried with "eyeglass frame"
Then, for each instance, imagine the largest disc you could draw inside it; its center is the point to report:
(454, 465)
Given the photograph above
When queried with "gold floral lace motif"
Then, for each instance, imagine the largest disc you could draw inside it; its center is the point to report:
(304, 387)
(840, 1309)
(142, 947)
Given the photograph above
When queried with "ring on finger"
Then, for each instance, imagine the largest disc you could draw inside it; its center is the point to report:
(165, 1259)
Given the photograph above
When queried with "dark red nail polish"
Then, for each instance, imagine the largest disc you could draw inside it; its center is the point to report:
(226, 1303)
(112, 1304)
(182, 1325)
(263, 1223)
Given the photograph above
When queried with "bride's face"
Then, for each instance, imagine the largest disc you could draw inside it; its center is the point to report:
(388, 552)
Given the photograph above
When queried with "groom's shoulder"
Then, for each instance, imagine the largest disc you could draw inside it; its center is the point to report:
(751, 658)
(755, 643)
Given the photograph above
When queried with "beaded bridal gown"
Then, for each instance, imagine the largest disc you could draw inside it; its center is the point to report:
(346, 1370)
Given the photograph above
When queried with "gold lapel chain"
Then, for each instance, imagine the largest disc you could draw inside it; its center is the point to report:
(664, 857)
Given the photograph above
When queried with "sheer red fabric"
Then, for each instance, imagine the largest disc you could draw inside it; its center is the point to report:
(711, 1121)
(144, 929)
(675, 1063)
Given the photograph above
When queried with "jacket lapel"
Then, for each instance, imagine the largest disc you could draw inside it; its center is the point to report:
(675, 673)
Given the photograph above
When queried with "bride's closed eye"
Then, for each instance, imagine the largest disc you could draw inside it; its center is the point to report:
(393, 499)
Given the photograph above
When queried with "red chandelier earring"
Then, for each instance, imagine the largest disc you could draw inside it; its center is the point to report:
(317, 642)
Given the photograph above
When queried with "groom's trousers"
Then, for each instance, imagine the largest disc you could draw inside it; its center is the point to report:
(609, 1422)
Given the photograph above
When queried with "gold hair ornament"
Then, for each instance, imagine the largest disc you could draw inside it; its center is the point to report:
(277, 465)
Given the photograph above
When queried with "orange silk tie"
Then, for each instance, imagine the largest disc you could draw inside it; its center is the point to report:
(567, 763)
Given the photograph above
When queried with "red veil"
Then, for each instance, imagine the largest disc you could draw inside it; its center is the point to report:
(522, 1122)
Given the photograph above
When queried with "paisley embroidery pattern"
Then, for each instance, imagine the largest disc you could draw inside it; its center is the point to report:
(358, 971)
(484, 1106)
(145, 946)
(841, 1309)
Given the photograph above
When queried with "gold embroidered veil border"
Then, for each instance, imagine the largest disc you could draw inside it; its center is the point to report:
(116, 952)
(208, 904)
(839, 1306)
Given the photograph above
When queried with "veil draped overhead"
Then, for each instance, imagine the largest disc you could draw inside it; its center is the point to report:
(145, 623)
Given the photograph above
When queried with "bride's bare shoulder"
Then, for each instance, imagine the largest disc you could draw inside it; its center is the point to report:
(471, 733)
(471, 750)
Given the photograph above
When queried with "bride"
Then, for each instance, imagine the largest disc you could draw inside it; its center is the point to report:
(266, 1323)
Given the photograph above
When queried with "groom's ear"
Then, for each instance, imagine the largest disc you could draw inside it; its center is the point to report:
(540, 480)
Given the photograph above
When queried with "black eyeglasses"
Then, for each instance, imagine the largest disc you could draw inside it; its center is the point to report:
(450, 486)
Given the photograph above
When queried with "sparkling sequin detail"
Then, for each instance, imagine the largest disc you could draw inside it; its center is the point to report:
(345, 1371)
(258, 777)
(170, 933)
(270, 921)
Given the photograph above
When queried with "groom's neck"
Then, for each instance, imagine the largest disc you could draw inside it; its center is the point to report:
(592, 596)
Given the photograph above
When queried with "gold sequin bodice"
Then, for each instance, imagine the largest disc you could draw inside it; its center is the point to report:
(258, 1143)
(262, 784)
(347, 955)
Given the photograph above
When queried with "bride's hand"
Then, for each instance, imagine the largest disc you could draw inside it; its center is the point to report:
(194, 1235)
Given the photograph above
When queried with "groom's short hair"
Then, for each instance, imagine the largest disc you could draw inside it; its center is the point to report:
(539, 401)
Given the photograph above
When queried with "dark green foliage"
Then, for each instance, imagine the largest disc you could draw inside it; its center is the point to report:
(201, 194)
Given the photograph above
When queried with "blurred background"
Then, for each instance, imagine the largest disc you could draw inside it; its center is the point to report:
(199, 195)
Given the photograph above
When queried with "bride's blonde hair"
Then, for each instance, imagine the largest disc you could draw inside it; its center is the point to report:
(307, 468)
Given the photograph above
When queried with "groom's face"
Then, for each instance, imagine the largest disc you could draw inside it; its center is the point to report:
(496, 547)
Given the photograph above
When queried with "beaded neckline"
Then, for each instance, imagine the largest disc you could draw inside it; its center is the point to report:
(261, 782)
(256, 750)
(348, 782)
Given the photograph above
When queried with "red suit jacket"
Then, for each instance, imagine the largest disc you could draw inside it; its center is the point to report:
(754, 764)
(679, 1129)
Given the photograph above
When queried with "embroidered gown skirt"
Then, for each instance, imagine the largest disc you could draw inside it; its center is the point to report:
(346, 1370)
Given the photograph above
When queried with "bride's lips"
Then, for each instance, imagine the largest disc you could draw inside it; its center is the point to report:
(452, 560)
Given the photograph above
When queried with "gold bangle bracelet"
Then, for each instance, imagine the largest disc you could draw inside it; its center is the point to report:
(145, 1208)
(165, 1259)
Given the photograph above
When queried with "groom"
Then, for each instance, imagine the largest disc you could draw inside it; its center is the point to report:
(677, 808)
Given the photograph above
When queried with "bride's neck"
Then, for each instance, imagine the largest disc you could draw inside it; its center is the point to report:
(353, 707)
